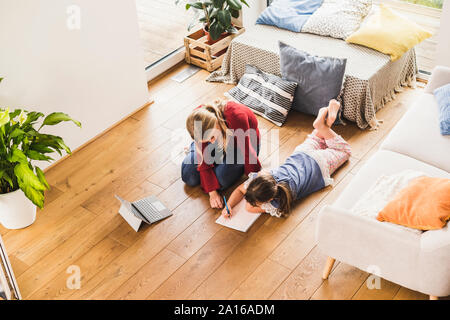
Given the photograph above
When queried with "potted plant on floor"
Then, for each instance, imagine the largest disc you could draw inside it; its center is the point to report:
(216, 16)
(22, 184)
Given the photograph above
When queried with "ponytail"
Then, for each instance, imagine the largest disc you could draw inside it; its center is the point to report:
(284, 196)
(265, 188)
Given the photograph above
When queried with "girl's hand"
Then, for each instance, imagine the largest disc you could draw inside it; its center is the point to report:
(215, 200)
(225, 213)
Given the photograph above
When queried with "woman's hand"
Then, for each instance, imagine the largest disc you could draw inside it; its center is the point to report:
(225, 213)
(215, 200)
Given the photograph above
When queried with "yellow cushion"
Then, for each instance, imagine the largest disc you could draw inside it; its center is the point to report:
(389, 33)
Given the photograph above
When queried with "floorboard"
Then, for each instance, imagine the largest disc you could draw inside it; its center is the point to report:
(196, 258)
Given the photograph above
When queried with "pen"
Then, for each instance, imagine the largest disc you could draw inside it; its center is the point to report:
(226, 206)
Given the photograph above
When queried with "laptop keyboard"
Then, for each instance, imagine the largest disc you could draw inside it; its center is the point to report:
(148, 210)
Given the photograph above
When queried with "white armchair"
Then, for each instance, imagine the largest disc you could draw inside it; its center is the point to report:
(420, 262)
(417, 260)
(439, 77)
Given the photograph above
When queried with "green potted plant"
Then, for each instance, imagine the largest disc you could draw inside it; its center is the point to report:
(216, 16)
(22, 184)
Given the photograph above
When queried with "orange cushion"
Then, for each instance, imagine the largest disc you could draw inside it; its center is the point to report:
(424, 204)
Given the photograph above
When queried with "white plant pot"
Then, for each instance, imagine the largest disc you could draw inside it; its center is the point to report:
(16, 210)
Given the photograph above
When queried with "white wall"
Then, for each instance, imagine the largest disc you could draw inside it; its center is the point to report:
(250, 14)
(95, 74)
(443, 47)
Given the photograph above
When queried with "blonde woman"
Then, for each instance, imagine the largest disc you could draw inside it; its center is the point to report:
(226, 146)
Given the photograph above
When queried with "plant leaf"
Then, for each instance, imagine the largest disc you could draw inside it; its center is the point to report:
(57, 117)
(196, 5)
(218, 3)
(49, 141)
(40, 148)
(4, 117)
(15, 113)
(35, 155)
(62, 144)
(17, 155)
(216, 30)
(213, 14)
(8, 179)
(245, 2)
(36, 196)
(16, 132)
(234, 13)
(41, 176)
(32, 117)
(234, 4)
(26, 177)
(224, 17)
(233, 30)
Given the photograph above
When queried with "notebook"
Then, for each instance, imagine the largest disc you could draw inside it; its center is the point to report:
(241, 219)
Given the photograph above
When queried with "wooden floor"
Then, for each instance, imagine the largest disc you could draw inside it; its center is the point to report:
(187, 256)
(162, 25)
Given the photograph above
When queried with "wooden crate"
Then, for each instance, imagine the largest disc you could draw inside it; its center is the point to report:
(204, 55)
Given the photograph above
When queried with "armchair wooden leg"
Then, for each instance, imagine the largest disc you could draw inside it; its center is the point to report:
(328, 267)
(434, 298)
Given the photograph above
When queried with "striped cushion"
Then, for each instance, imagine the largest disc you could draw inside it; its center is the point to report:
(266, 94)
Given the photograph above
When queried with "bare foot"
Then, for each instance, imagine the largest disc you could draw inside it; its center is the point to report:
(321, 118)
(333, 109)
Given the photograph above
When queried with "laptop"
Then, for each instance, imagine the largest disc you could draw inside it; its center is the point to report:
(148, 210)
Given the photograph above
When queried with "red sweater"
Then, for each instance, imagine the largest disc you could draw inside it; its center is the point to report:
(237, 116)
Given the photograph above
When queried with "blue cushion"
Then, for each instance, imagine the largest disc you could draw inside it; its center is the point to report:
(289, 14)
(319, 78)
(442, 96)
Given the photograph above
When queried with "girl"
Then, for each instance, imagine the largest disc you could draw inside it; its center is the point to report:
(307, 170)
(226, 145)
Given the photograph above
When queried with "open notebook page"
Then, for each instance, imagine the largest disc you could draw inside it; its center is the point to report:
(241, 219)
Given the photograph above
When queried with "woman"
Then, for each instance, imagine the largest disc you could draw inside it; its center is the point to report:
(307, 170)
(226, 145)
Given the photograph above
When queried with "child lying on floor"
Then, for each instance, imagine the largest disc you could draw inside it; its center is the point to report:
(307, 170)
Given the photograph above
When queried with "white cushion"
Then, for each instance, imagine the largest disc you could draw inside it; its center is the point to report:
(417, 135)
(384, 190)
(338, 19)
(383, 162)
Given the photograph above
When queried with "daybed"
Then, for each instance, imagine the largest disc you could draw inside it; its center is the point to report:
(371, 78)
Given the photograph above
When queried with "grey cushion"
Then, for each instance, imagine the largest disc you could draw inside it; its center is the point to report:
(319, 78)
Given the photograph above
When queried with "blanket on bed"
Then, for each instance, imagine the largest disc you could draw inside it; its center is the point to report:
(371, 78)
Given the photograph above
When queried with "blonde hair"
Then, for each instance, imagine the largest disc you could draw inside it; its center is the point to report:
(208, 115)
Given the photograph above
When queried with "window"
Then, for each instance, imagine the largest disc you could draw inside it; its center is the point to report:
(426, 13)
(162, 25)
(427, 3)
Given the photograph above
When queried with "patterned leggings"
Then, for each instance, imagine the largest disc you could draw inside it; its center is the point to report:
(330, 154)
